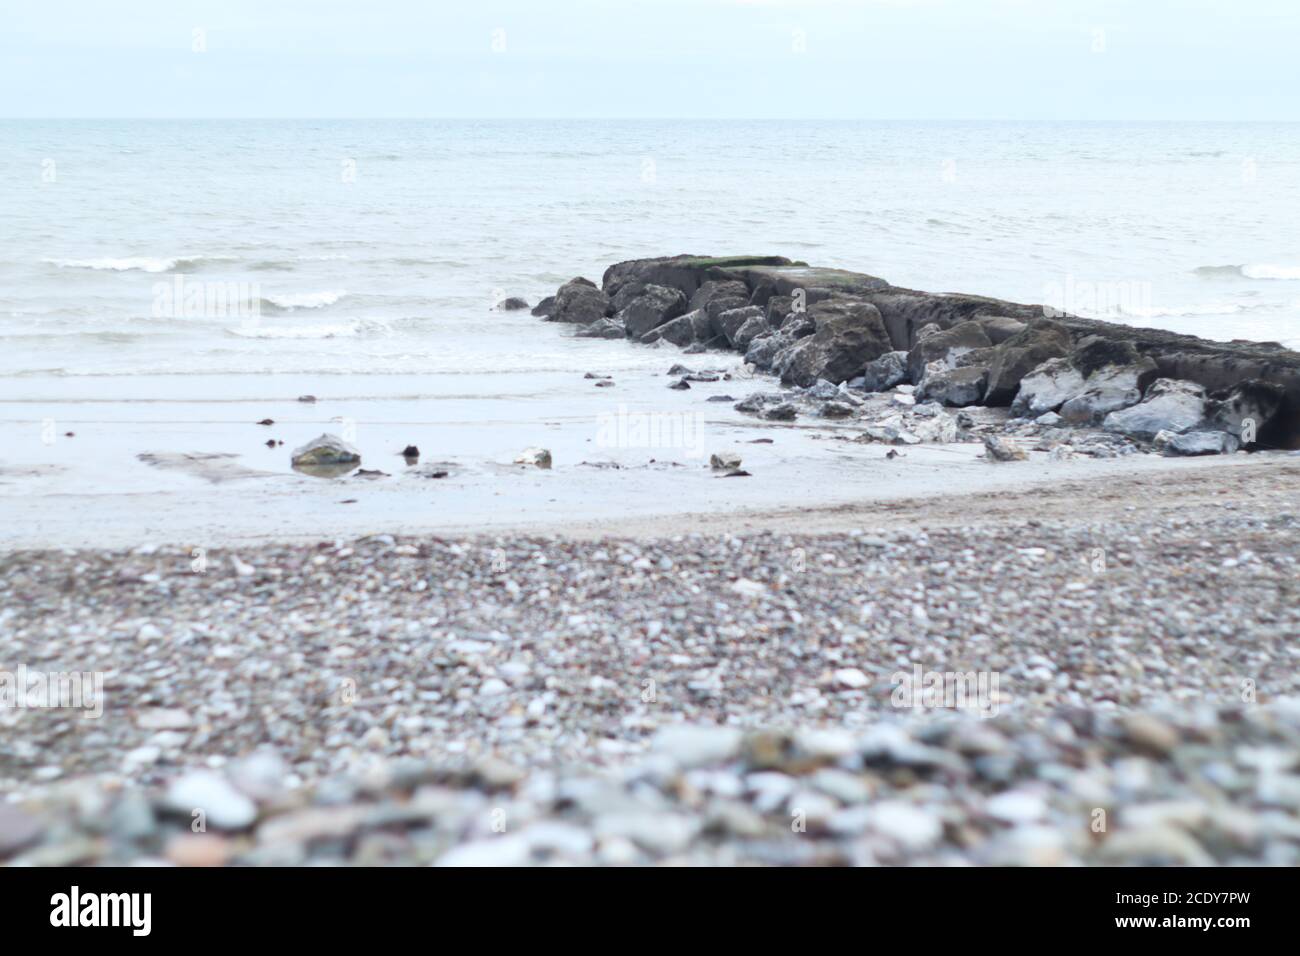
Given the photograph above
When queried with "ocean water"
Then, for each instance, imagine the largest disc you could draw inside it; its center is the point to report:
(167, 286)
(379, 247)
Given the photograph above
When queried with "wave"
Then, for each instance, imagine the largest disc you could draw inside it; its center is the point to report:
(125, 264)
(304, 300)
(325, 330)
(1184, 311)
(1259, 270)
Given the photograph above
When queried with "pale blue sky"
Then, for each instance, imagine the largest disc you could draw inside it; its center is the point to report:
(874, 59)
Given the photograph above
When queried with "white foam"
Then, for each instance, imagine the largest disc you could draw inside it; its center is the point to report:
(306, 300)
(323, 330)
(141, 263)
(1266, 270)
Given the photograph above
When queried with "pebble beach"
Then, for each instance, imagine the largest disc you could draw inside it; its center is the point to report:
(707, 696)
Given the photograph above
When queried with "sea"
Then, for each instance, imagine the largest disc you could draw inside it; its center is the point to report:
(165, 284)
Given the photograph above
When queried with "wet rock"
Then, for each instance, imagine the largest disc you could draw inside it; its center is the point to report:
(849, 335)
(885, 372)
(324, 452)
(1040, 340)
(580, 302)
(606, 328)
(999, 328)
(751, 330)
(729, 323)
(1171, 444)
(836, 410)
(726, 461)
(1247, 410)
(512, 304)
(545, 307)
(654, 306)
(539, 457)
(1098, 377)
(683, 330)
(1169, 405)
(999, 448)
(763, 350)
(956, 387)
(784, 412)
(945, 347)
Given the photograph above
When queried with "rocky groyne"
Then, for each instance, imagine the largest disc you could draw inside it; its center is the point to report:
(838, 335)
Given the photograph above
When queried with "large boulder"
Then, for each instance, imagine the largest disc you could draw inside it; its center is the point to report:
(655, 305)
(946, 346)
(762, 352)
(682, 331)
(751, 330)
(1099, 377)
(1169, 406)
(1040, 340)
(885, 372)
(729, 293)
(1047, 388)
(957, 387)
(729, 323)
(999, 328)
(1200, 442)
(602, 329)
(849, 334)
(1246, 410)
(579, 301)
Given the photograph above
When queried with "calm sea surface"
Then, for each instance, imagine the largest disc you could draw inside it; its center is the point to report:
(379, 247)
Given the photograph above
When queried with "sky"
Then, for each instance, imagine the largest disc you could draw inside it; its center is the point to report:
(778, 59)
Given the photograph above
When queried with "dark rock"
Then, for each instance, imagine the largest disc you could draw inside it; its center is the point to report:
(849, 335)
(683, 330)
(729, 322)
(836, 410)
(580, 302)
(751, 330)
(798, 325)
(267, 421)
(655, 305)
(512, 304)
(680, 385)
(999, 448)
(1038, 341)
(719, 398)
(784, 412)
(410, 451)
(957, 387)
(999, 328)
(778, 307)
(325, 456)
(1247, 411)
(885, 372)
(946, 346)
(729, 290)
(763, 350)
(545, 307)
(606, 328)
